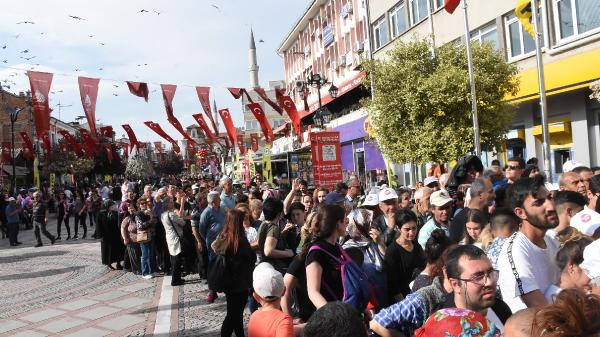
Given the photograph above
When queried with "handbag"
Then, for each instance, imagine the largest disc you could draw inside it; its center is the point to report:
(143, 236)
(217, 273)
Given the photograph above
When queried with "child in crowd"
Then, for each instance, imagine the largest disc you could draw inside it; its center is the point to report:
(503, 224)
(473, 227)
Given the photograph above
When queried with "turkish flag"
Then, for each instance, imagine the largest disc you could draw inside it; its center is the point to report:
(27, 145)
(450, 5)
(288, 104)
(254, 141)
(158, 147)
(238, 92)
(204, 97)
(71, 140)
(132, 138)
(263, 94)
(168, 91)
(241, 144)
(88, 90)
(258, 112)
(40, 87)
(6, 152)
(226, 117)
(107, 131)
(156, 128)
(109, 154)
(140, 89)
(90, 145)
(200, 120)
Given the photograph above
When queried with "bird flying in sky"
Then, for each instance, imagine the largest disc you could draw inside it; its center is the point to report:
(76, 17)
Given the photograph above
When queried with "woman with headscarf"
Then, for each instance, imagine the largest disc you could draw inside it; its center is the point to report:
(129, 236)
(111, 247)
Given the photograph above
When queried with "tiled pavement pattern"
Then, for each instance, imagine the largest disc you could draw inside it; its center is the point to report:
(63, 290)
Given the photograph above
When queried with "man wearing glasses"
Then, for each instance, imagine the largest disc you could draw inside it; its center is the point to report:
(469, 283)
(526, 261)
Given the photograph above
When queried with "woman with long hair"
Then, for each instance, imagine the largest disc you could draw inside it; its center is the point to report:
(568, 259)
(435, 248)
(403, 256)
(574, 313)
(473, 228)
(323, 277)
(319, 196)
(240, 259)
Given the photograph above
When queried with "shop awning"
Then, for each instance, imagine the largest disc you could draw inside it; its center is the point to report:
(560, 133)
(349, 84)
(568, 74)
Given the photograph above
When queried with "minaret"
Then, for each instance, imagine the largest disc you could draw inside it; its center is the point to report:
(214, 108)
(252, 62)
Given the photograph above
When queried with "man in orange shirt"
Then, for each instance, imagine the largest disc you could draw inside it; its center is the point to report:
(269, 320)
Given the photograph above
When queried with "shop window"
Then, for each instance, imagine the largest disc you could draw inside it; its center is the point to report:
(518, 41)
(380, 33)
(418, 10)
(398, 20)
(575, 17)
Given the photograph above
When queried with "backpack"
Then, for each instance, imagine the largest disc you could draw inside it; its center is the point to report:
(354, 280)
(217, 273)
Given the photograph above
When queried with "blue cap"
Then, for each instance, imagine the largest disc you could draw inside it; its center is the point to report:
(334, 198)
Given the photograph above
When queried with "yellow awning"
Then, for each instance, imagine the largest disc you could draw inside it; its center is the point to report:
(553, 127)
(560, 133)
(568, 74)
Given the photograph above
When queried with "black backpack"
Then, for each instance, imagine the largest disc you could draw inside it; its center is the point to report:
(217, 273)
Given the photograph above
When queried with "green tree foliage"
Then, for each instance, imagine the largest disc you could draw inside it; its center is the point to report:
(66, 162)
(421, 111)
(595, 86)
(139, 166)
(171, 165)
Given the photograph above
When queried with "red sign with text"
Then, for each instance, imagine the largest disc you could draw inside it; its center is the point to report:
(326, 157)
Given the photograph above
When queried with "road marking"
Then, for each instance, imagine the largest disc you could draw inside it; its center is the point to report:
(162, 325)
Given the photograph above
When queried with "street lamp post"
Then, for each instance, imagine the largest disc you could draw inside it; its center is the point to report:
(14, 115)
(317, 81)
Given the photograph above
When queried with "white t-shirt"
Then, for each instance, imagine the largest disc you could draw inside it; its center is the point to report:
(535, 268)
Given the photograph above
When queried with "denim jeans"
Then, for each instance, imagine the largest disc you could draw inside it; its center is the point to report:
(146, 255)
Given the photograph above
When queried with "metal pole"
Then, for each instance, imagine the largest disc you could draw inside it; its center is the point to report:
(430, 18)
(370, 38)
(542, 86)
(472, 81)
(12, 131)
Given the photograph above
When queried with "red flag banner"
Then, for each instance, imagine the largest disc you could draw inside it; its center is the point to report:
(6, 152)
(139, 89)
(226, 117)
(27, 145)
(168, 92)
(156, 128)
(200, 120)
(107, 131)
(158, 147)
(190, 150)
(204, 97)
(132, 138)
(326, 158)
(125, 148)
(241, 144)
(450, 5)
(258, 112)
(290, 107)
(254, 141)
(109, 154)
(40, 87)
(88, 90)
(238, 92)
(263, 94)
(90, 144)
(71, 140)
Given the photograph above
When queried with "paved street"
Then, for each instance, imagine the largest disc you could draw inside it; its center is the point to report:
(64, 290)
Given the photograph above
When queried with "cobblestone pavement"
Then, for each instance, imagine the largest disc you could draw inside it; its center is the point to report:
(64, 290)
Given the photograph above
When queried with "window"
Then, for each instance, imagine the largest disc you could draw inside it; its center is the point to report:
(437, 4)
(398, 20)
(418, 10)
(380, 32)
(485, 33)
(251, 125)
(575, 17)
(518, 41)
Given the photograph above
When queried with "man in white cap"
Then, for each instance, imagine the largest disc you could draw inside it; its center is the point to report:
(269, 320)
(388, 204)
(432, 182)
(570, 165)
(442, 205)
(591, 265)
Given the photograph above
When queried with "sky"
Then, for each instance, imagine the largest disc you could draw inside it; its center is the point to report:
(183, 42)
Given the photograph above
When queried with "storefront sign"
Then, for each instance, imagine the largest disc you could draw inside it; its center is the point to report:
(326, 157)
(328, 35)
(267, 170)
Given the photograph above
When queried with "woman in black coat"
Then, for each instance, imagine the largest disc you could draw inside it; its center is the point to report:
(240, 260)
(111, 246)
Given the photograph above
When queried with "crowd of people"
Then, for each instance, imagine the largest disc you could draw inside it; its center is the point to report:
(494, 251)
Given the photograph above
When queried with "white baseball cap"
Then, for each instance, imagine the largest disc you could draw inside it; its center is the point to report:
(586, 221)
(371, 200)
(591, 260)
(267, 282)
(430, 180)
(570, 165)
(387, 194)
(440, 198)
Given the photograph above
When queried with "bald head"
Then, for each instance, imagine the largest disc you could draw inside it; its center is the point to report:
(571, 181)
(520, 323)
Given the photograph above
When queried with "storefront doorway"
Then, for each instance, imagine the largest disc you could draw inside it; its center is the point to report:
(560, 157)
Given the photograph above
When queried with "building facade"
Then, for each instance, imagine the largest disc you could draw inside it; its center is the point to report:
(571, 57)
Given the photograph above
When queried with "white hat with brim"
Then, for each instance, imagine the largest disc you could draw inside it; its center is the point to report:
(440, 198)
(267, 282)
(387, 194)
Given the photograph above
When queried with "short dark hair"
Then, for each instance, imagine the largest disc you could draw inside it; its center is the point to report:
(522, 188)
(295, 206)
(563, 197)
(518, 160)
(340, 186)
(402, 216)
(571, 251)
(272, 208)
(470, 251)
(304, 183)
(335, 319)
(580, 169)
(503, 217)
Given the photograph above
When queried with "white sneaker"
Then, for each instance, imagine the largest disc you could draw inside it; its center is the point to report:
(147, 277)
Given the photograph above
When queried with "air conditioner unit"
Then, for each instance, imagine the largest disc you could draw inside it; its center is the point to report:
(359, 47)
(334, 65)
(342, 61)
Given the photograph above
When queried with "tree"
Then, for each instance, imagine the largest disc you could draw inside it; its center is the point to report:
(102, 165)
(139, 166)
(595, 86)
(66, 162)
(172, 165)
(421, 111)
